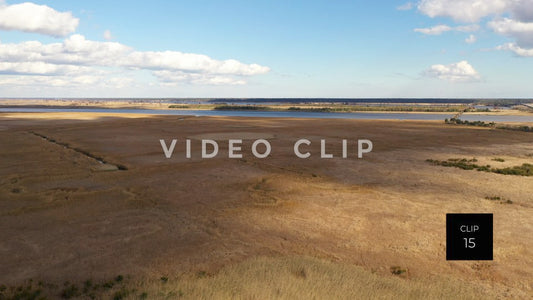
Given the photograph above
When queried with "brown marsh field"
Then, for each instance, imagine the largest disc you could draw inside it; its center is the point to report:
(142, 226)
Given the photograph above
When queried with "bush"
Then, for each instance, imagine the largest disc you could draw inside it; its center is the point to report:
(467, 164)
(397, 270)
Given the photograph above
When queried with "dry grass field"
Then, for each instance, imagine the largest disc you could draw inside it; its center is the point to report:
(144, 226)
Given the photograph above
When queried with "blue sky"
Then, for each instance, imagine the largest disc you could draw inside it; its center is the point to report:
(428, 48)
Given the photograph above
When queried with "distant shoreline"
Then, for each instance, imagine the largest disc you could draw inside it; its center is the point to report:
(154, 104)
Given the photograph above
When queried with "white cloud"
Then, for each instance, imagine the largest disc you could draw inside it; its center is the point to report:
(76, 57)
(471, 39)
(435, 30)
(511, 18)
(41, 68)
(456, 72)
(516, 49)
(439, 29)
(189, 62)
(521, 31)
(522, 10)
(107, 35)
(405, 6)
(463, 10)
(30, 17)
(79, 62)
(75, 50)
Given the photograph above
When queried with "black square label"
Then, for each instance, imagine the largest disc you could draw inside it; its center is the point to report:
(469, 237)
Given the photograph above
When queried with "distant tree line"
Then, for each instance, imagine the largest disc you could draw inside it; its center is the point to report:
(488, 124)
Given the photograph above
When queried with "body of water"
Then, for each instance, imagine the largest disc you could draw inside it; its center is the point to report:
(286, 114)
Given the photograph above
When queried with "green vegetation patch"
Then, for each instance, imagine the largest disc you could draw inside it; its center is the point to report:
(516, 128)
(241, 107)
(468, 164)
(469, 123)
(502, 200)
(523, 170)
(397, 270)
(344, 108)
(458, 121)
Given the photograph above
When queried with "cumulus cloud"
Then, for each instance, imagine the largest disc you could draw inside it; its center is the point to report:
(474, 10)
(516, 49)
(78, 61)
(471, 39)
(522, 10)
(456, 72)
(77, 57)
(74, 50)
(463, 10)
(30, 17)
(510, 18)
(41, 68)
(189, 62)
(521, 31)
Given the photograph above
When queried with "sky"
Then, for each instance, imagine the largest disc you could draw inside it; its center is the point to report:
(242, 49)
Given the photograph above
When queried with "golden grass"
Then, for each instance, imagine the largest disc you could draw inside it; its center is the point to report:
(289, 277)
(306, 278)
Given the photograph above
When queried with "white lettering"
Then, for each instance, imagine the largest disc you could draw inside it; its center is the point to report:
(267, 151)
(323, 153)
(168, 151)
(232, 148)
(204, 149)
(361, 150)
(297, 148)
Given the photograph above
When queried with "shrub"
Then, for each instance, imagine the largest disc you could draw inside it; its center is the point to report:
(465, 164)
(397, 270)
